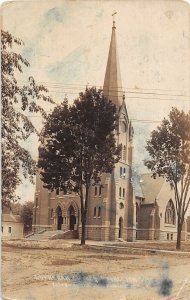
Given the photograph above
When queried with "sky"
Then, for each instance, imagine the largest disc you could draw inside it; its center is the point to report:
(67, 43)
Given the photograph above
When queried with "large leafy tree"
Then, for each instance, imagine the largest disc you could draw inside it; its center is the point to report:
(79, 145)
(17, 101)
(169, 149)
(27, 215)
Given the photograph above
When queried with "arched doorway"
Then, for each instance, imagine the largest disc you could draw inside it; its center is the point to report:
(59, 218)
(72, 217)
(120, 227)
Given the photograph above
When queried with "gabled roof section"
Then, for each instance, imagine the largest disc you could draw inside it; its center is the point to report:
(112, 83)
(151, 187)
(11, 218)
(123, 110)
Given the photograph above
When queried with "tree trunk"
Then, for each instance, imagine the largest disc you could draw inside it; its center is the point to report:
(83, 231)
(84, 215)
(179, 229)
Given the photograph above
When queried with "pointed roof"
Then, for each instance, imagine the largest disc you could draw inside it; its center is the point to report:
(151, 187)
(112, 83)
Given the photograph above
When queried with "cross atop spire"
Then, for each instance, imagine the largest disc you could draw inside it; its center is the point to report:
(113, 15)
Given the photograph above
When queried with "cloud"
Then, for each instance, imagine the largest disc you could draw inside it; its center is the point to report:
(54, 15)
(71, 68)
(28, 53)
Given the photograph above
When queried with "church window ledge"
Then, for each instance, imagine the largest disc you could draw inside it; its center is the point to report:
(170, 225)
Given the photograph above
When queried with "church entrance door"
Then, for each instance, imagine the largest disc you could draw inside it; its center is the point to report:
(59, 218)
(120, 227)
(72, 218)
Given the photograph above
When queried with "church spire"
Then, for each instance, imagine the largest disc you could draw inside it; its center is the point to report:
(112, 83)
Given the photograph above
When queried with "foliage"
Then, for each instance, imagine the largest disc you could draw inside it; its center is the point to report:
(79, 145)
(17, 100)
(16, 208)
(169, 149)
(27, 215)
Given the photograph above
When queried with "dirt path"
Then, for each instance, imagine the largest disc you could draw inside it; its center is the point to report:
(84, 273)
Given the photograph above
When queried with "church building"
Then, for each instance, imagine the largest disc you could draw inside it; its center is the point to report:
(118, 208)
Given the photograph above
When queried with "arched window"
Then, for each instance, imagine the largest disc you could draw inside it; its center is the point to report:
(99, 212)
(100, 191)
(96, 191)
(120, 171)
(123, 127)
(121, 205)
(123, 193)
(124, 173)
(120, 227)
(94, 211)
(170, 217)
(124, 153)
(36, 201)
(120, 192)
(51, 213)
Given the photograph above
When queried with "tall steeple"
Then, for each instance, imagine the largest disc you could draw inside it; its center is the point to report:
(112, 83)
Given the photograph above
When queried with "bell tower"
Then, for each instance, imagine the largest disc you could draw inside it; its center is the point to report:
(120, 208)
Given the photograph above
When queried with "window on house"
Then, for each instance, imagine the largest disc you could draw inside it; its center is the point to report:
(170, 217)
(100, 190)
(94, 211)
(95, 191)
(1, 228)
(120, 171)
(99, 212)
(52, 213)
(168, 236)
(123, 193)
(36, 201)
(120, 192)
(171, 236)
(57, 192)
(9, 230)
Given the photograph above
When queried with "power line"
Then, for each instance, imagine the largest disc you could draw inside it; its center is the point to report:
(123, 89)
(128, 97)
(132, 120)
(130, 92)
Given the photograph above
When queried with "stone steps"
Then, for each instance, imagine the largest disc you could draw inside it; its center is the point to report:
(53, 235)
